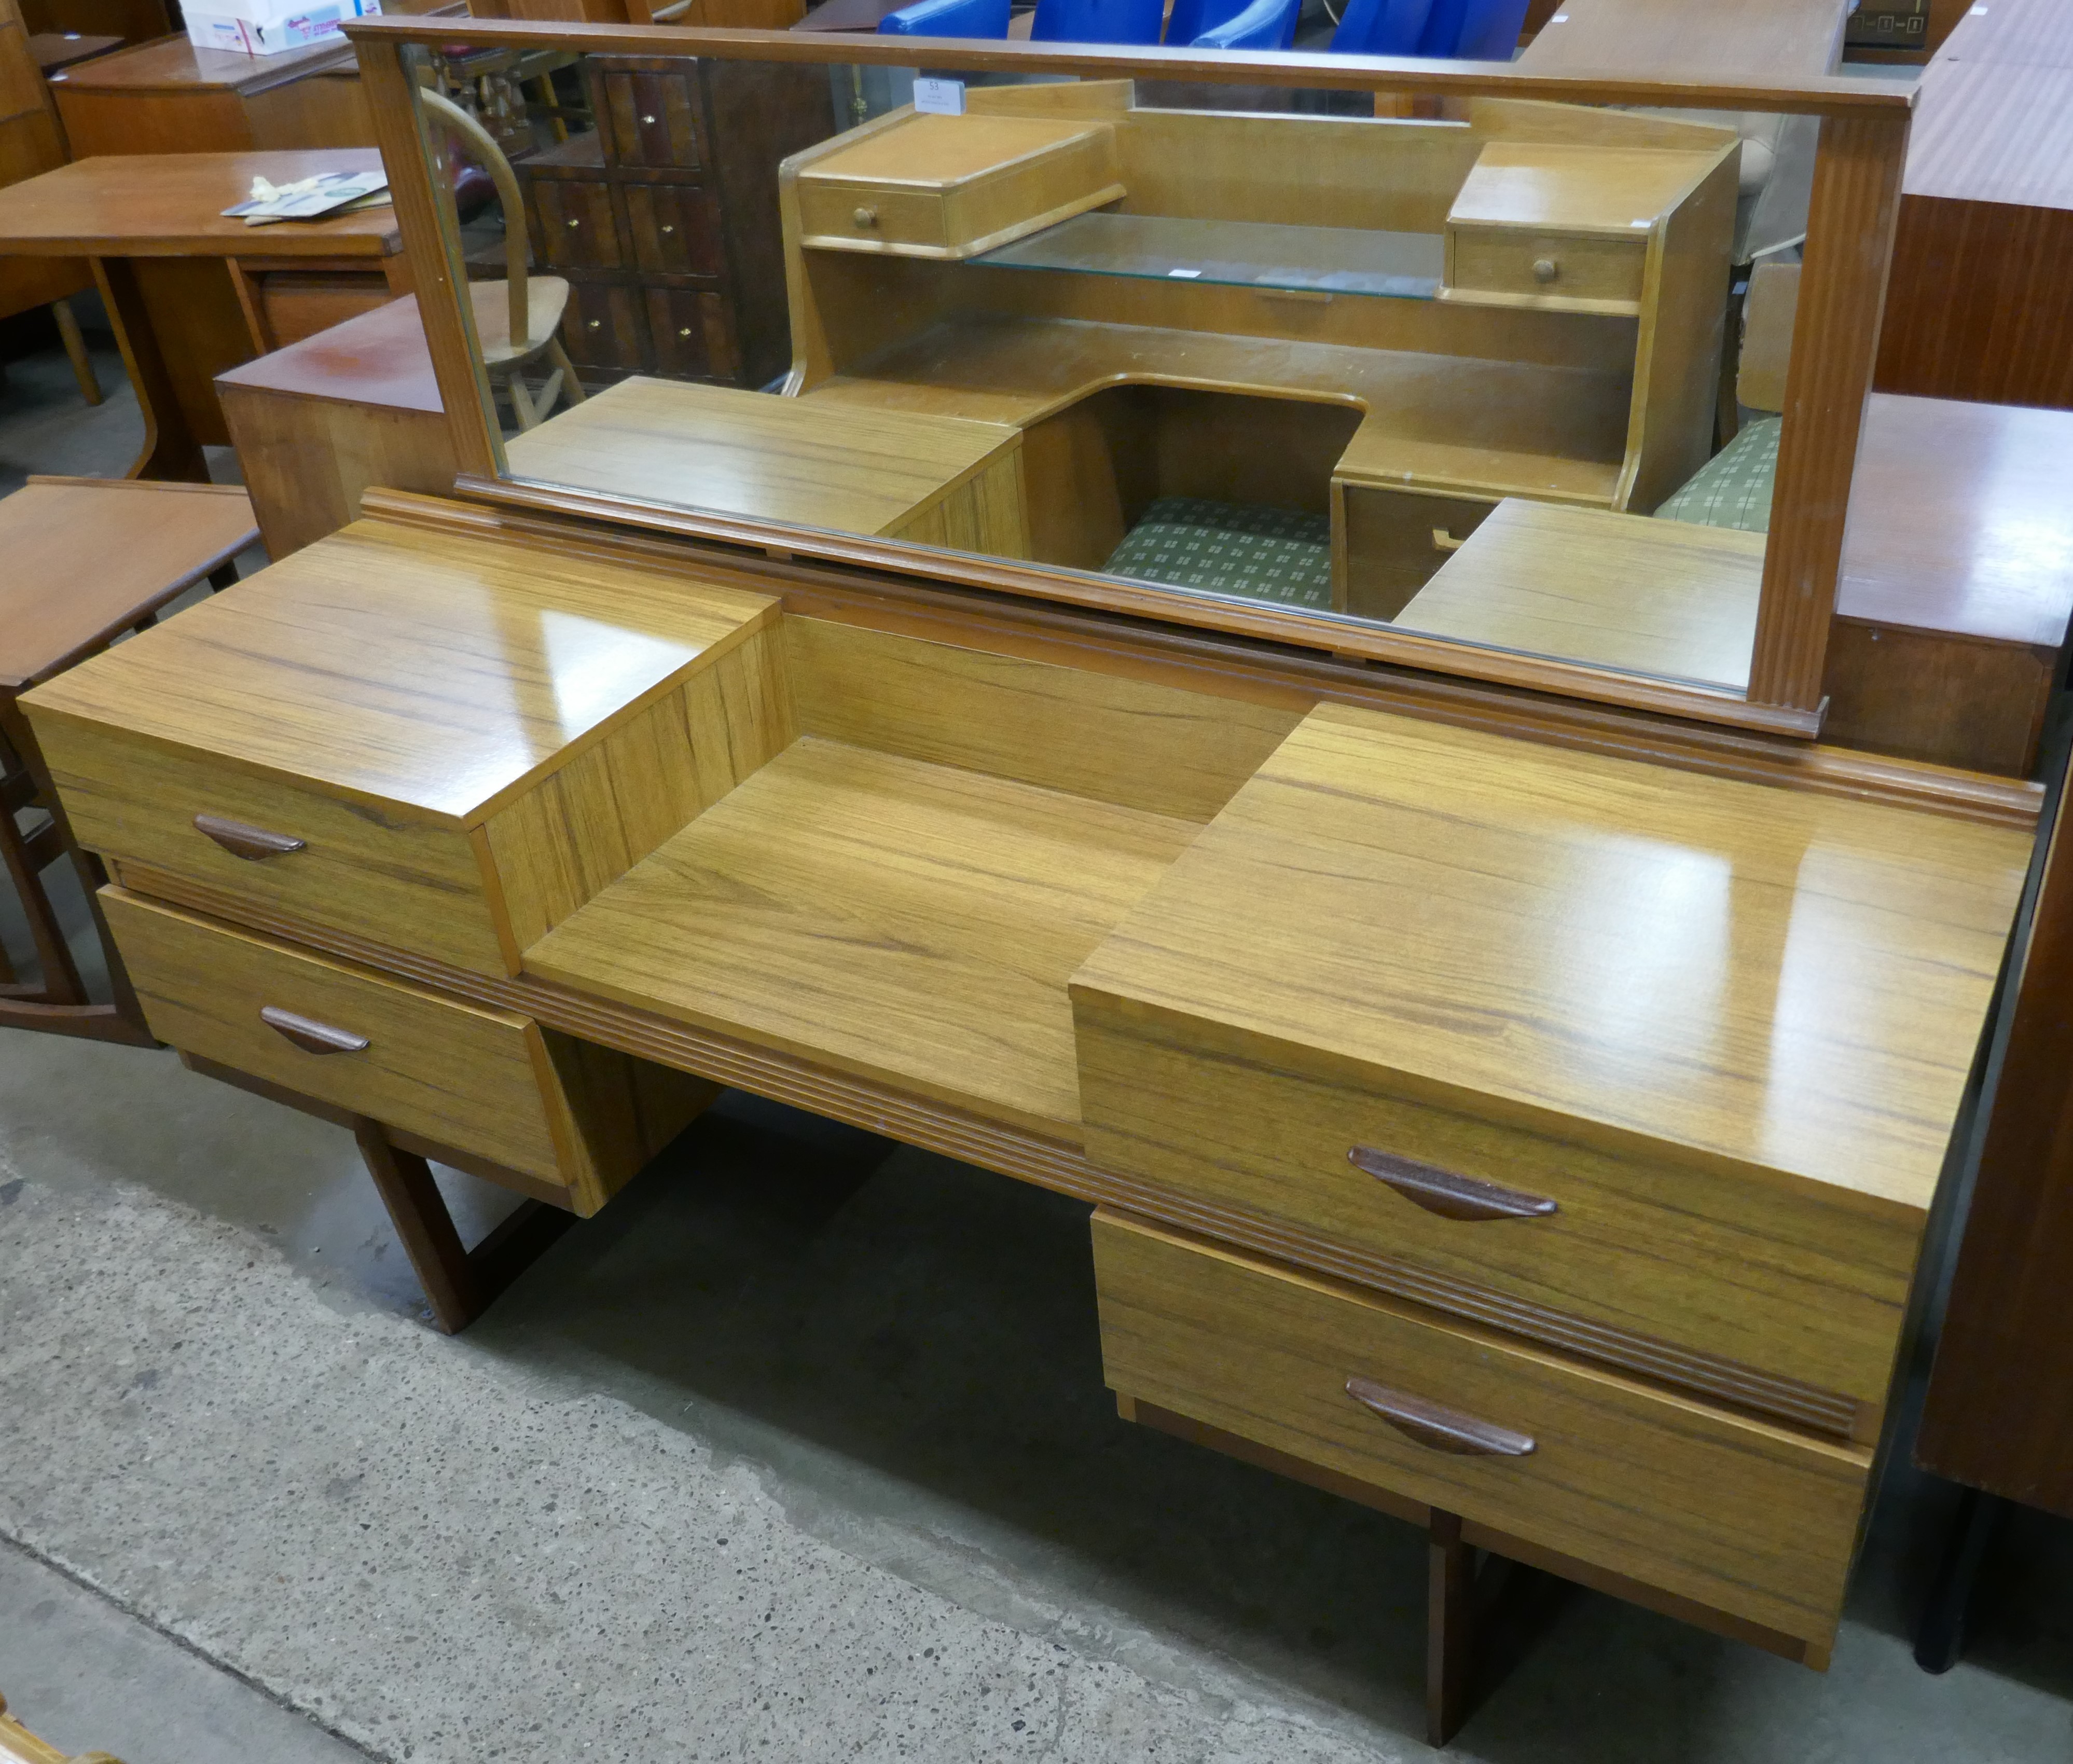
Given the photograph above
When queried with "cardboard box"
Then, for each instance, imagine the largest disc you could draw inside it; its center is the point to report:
(262, 27)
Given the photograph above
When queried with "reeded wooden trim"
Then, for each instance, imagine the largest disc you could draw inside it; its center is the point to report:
(1822, 95)
(1851, 218)
(1057, 1164)
(1233, 666)
(1171, 606)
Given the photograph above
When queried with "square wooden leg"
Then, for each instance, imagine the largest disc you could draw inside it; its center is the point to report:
(1450, 1618)
(459, 1283)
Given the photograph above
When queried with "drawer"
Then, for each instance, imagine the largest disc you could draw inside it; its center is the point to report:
(1517, 265)
(1608, 1256)
(694, 335)
(575, 227)
(1740, 1516)
(674, 228)
(953, 186)
(458, 1075)
(604, 327)
(1394, 540)
(402, 881)
(652, 111)
(490, 1083)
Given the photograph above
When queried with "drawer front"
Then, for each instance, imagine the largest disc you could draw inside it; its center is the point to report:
(694, 335)
(1744, 1517)
(604, 325)
(575, 229)
(398, 882)
(675, 229)
(1573, 266)
(1781, 1280)
(654, 119)
(852, 211)
(459, 1075)
(1396, 539)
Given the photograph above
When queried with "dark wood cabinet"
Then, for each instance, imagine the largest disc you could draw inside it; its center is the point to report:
(665, 219)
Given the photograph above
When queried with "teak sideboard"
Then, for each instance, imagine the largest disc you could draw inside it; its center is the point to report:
(1535, 1143)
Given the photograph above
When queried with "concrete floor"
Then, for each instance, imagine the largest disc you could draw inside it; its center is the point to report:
(800, 1450)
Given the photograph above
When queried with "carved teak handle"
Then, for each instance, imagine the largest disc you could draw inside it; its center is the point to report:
(311, 1035)
(1443, 1192)
(1444, 1430)
(250, 842)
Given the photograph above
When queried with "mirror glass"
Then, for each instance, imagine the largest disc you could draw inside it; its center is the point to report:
(1501, 372)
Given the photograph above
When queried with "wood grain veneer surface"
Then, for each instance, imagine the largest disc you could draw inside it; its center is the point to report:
(1747, 978)
(86, 559)
(171, 205)
(1619, 591)
(438, 672)
(852, 470)
(902, 921)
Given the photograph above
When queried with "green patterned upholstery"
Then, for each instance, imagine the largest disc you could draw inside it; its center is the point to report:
(1732, 489)
(1230, 548)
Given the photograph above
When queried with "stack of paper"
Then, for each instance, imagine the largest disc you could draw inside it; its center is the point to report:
(328, 193)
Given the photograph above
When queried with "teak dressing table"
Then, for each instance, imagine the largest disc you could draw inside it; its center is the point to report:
(1518, 1112)
(1532, 1143)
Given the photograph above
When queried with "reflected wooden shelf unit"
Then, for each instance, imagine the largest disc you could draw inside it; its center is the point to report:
(940, 478)
(1660, 597)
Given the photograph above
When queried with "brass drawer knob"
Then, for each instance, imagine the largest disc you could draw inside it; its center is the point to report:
(575, 223)
(649, 121)
(594, 324)
(683, 331)
(866, 218)
(1545, 269)
(1444, 1192)
(1442, 1429)
(311, 1035)
(253, 844)
(668, 229)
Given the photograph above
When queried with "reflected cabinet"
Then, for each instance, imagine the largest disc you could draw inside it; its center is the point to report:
(1251, 660)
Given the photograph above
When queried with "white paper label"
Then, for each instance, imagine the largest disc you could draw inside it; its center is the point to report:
(1185, 276)
(940, 97)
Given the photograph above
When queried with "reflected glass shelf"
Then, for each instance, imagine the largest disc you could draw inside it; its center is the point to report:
(1237, 254)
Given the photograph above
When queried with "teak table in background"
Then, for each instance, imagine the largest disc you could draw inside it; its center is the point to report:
(191, 294)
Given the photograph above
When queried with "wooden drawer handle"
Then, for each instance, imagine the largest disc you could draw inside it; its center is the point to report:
(1444, 1430)
(311, 1035)
(1444, 541)
(1450, 1196)
(249, 842)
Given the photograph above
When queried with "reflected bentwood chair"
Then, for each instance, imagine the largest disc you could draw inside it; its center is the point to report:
(517, 320)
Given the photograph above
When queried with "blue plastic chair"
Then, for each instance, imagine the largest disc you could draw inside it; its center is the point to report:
(1098, 21)
(1445, 30)
(947, 18)
(1233, 24)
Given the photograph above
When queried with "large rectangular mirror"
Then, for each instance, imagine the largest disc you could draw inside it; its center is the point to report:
(1480, 381)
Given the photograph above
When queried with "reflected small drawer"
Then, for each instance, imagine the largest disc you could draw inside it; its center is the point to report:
(1518, 266)
(1395, 540)
(1741, 1516)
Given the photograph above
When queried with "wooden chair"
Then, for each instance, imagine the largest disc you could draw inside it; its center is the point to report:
(18, 1743)
(30, 141)
(517, 320)
(89, 560)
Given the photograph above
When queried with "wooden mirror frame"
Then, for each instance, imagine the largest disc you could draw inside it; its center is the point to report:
(1862, 146)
